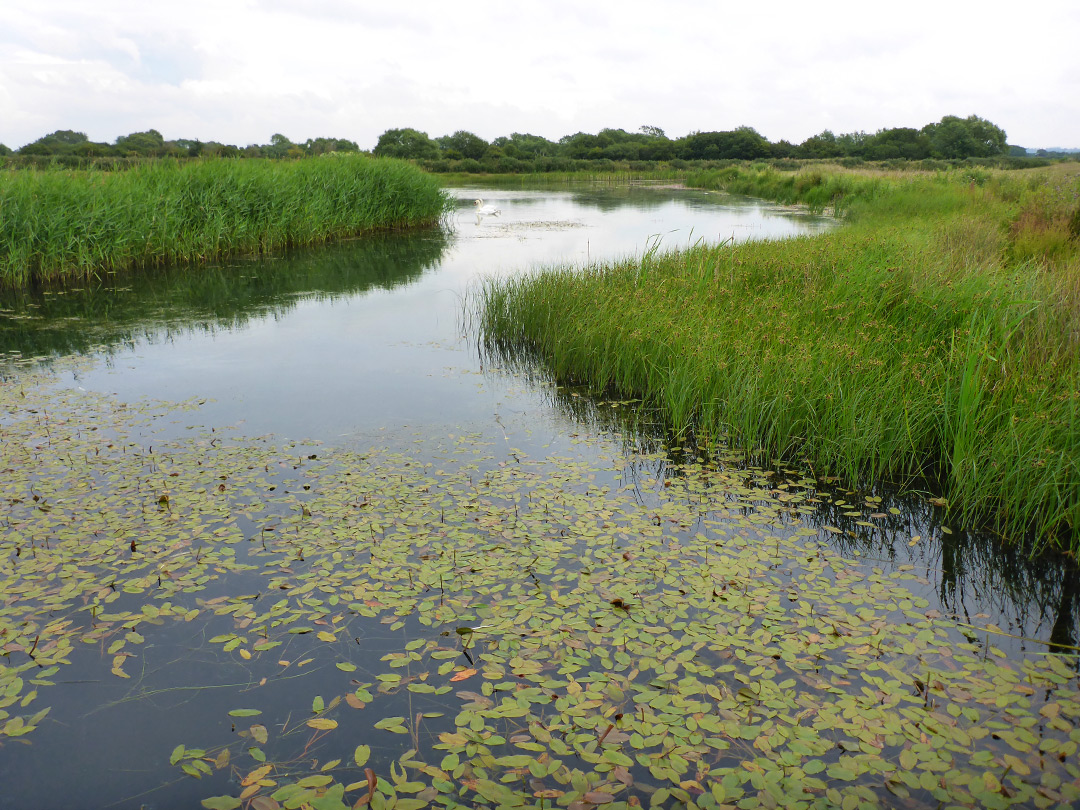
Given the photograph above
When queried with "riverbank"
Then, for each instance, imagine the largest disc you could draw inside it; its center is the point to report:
(934, 340)
(59, 225)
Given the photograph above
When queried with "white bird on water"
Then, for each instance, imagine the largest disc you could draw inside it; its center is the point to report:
(485, 210)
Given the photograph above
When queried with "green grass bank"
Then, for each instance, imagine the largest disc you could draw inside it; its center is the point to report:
(68, 225)
(933, 338)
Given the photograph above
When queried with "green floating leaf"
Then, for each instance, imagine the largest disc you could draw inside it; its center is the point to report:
(221, 803)
(361, 755)
(387, 722)
(244, 712)
(318, 780)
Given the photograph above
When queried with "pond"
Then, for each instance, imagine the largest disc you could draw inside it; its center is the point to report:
(277, 533)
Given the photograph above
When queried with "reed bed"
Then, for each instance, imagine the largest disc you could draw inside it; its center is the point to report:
(60, 225)
(913, 344)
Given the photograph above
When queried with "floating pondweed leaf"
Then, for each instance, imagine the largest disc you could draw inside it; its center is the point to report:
(683, 639)
(222, 803)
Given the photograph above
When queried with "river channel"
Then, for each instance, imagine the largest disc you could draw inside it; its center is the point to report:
(365, 348)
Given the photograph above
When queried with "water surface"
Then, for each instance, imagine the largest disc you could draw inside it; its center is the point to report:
(364, 346)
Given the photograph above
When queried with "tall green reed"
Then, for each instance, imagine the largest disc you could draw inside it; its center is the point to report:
(61, 224)
(902, 347)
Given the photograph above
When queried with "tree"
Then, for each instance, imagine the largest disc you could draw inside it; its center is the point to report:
(749, 144)
(61, 142)
(465, 144)
(193, 148)
(406, 143)
(900, 142)
(822, 145)
(653, 132)
(955, 137)
(744, 143)
(91, 149)
(320, 146)
(580, 145)
(279, 146)
(65, 137)
(784, 149)
(852, 144)
(950, 139)
(520, 145)
(142, 144)
(989, 139)
(4, 150)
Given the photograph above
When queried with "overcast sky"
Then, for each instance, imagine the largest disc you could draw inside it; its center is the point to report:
(239, 71)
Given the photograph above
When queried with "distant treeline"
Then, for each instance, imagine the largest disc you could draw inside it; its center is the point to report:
(951, 139)
(152, 144)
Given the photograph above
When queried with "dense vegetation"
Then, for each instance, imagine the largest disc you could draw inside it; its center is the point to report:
(77, 224)
(935, 337)
(67, 143)
(950, 139)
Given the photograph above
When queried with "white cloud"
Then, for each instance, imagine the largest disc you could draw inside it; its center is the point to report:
(241, 70)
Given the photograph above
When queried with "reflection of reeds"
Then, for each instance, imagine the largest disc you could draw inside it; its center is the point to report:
(907, 345)
(973, 572)
(163, 302)
(78, 224)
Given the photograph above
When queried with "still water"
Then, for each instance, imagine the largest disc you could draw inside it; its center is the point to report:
(343, 341)
(367, 343)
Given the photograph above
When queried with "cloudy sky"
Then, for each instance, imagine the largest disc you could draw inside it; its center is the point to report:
(239, 71)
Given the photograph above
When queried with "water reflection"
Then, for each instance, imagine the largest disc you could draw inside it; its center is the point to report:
(162, 305)
(974, 577)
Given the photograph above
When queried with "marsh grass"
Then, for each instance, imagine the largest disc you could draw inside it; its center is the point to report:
(73, 225)
(914, 344)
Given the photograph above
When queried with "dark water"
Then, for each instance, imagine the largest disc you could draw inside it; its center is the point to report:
(368, 342)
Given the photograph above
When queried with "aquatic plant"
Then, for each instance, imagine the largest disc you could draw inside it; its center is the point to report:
(467, 628)
(75, 225)
(909, 345)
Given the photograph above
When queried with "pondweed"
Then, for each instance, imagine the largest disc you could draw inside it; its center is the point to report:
(57, 225)
(908, 345)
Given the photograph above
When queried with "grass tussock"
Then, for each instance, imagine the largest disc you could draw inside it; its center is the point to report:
(929, 338)
(69, 225)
